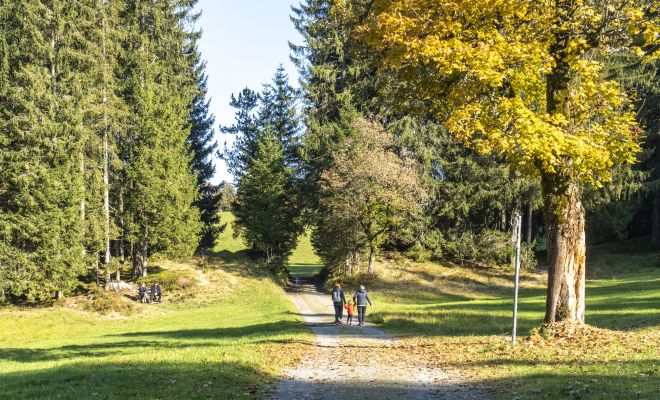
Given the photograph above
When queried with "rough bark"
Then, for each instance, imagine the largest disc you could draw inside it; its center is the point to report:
(564, 214)
(565, 222)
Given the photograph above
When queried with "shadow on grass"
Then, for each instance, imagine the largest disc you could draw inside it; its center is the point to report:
(149, 340)
(243, 332)
(304, 270)
(481, 317)
(139, 380)
(611, 305)
(235, 380)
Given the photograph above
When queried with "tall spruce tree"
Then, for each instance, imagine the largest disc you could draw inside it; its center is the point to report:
(238, 157)
(278, 110)
(203, 146)
(42, 202)
(96, 97)
(265, 214)
(262, 160)
(160, 187)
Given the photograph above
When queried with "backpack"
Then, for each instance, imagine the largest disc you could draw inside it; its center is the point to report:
(336, 296)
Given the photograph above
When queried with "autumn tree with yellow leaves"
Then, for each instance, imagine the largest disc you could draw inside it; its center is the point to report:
(518, 78)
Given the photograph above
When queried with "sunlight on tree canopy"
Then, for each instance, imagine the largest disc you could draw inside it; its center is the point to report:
(489, 64)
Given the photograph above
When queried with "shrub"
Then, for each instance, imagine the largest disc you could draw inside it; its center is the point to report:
(104, 302)
(418, 253)
(487, 247)
(172, 280)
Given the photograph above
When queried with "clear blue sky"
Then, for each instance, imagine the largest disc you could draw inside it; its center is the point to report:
(243, 42)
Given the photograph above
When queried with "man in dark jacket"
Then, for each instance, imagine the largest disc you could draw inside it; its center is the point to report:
(361, 298)
(338, 300)
(155, 292)
(142, 293)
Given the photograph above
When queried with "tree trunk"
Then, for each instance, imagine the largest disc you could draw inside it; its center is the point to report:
(106, 196)
(565, 222)
(122, 250)
(655, 222)
(106, 173)
(503, 221)
(372, 259)
(118, 274)
(135, 260)
(530, 214)
(355, 261)
(145, 249)
(82, 202)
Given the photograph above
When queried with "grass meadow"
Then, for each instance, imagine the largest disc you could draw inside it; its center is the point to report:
(466, 315)
(225, 337)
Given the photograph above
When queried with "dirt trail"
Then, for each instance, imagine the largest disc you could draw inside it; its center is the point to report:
(351, 362)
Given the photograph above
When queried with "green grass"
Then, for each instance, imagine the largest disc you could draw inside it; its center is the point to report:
(302, 262)
(229, 248)
(468, 313)
(221, 349)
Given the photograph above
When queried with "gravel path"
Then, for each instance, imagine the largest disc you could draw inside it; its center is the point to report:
(352, 362)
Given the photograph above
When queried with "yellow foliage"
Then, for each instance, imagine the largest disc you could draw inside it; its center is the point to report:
(496, 59)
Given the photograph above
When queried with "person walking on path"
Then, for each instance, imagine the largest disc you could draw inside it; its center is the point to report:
(361, 298)
(338, 300)
(349, 312)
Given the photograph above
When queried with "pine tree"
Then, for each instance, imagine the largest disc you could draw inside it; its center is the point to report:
(262, 161)
(43, 138)
(203, 145)
(278, 110)
(265, 213)
(160, 187)
(201, 139)
(238, 157)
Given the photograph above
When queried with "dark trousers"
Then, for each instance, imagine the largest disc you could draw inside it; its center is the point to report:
(339, 311)
(362, 311)
(349, 319)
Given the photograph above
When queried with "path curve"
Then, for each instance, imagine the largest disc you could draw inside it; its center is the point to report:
(351, 362)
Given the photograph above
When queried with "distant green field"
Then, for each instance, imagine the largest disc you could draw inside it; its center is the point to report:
(226, 242)
(302, 262)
